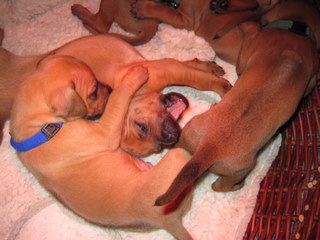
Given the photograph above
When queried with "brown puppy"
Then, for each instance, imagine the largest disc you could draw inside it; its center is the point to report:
(118, 11)
(276, 68)
(209, 19)
(74, 162)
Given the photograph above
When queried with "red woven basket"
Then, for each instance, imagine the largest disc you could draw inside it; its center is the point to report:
(288, 203)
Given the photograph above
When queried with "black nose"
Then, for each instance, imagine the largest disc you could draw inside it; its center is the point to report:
(170, 132)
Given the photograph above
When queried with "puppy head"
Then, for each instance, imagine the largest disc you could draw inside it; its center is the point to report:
(151, 123)
(71, 89)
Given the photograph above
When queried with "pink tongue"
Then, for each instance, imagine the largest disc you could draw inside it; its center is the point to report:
(143, 166)
(177, 109)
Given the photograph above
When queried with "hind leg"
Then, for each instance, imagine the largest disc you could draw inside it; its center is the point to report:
(95, 23)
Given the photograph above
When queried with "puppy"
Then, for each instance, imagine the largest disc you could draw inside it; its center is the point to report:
(276, 68)
(118, 11)
(211, 20)
(64, 90)
(109, 65)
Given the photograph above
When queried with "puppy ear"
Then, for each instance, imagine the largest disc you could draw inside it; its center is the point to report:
(66, 103)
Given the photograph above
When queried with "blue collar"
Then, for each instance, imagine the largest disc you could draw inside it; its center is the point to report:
(45, 134)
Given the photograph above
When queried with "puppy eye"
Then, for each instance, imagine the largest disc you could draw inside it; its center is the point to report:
(93, 96)
(143, 130)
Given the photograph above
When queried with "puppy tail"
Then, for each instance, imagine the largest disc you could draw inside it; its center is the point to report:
(197, 165)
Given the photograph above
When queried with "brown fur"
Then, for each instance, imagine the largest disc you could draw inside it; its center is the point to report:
(276, 69)
(16, 68)
(118, 11)
(84, 165)
(196, 15)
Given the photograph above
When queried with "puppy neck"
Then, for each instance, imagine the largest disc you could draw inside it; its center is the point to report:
(30, 111)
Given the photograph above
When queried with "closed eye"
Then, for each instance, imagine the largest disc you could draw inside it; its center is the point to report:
(143, 130)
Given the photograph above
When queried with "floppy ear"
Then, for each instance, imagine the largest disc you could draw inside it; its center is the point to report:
(66, 103)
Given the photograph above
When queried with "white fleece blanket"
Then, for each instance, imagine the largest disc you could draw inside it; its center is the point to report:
(28, 212)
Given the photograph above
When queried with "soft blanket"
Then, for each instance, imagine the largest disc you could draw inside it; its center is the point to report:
(28, 212)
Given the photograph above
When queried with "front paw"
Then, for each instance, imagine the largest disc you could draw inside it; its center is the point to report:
(219, 6)
(216, 69)
(138, 9)
(80, 11)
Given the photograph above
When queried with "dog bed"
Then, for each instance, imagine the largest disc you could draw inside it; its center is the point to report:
(29, 212)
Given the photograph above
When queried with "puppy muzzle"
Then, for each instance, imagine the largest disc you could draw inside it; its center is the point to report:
(170, 133)
(175, 104)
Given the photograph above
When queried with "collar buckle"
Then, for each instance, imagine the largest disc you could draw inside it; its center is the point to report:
(50, 129)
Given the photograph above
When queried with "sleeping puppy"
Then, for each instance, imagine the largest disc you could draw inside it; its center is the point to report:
(118, 11)
(82, 155)
(277, 66)
(210, 20)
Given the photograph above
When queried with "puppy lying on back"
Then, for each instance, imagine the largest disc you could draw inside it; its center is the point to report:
(118, 11)
(277, 66)
(84, 155)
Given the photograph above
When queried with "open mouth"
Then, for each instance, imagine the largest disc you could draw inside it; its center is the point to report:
(175, 104)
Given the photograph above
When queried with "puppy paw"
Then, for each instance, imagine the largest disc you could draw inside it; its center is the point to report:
(221, 186)
(135, 77)
(219, 6)
(94, 23)
(207, 66)
(139, 9)
(217, 187)
(80, 11)
(226, 86)
(216, 69)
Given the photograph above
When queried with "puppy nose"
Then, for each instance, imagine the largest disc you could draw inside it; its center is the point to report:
(170, 132)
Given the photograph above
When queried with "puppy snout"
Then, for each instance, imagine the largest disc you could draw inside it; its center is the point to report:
(170, 132)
